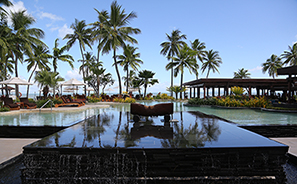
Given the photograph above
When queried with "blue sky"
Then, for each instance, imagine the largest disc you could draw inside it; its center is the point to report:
(245, 33)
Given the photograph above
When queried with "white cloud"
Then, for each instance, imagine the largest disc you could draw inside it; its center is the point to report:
(50, 16)
(73, 74)
(64, 30)
(258, 68)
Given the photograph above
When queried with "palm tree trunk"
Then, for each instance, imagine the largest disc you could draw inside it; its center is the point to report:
(181, 82)
(82, 54)
(171, 93)
(30, 79)
(16, 74)
(54, 88)
(127, 80)
(117, 70)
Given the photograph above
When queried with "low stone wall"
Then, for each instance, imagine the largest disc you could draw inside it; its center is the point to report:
(203, 165)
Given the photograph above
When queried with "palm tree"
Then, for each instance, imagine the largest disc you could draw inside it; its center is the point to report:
(171, 47)
(129, 59)
(147, 79)
(271, 65)
(199, 47)
(212, 62)
(58, 54)
(97, 29)
(128, 80)
(47, 79)
(82, 35)
(38, 60)
(6, 3)
(242, 74)
(290, 56)
(186, 58)
(105, 80)
(30, 36)
(115, 33)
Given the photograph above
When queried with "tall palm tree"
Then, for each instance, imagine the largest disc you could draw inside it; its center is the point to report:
(21, 23)
(6, 3)
(147, 79)
(199, 47)
(171, 47)
(128, 80)
(129, 59)
(242, 74)
(82, 34)
(38, 60)
(58, 54)
(271, 65)
(290, 56)
(116, 32)
(212, 61)
(97, 30)
(186, 58)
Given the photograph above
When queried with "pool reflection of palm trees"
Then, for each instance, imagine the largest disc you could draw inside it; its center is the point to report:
(193, 136)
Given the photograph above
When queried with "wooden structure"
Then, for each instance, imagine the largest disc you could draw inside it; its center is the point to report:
(262, 86)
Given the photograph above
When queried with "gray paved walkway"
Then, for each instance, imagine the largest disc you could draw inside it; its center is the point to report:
(11, 148)
(290, 141)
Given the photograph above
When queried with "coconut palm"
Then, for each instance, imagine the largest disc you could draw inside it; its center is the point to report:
(242, 74)
(129, 59)
(171, 47)
(271, 65)
(105, 80)
(97, 30)
(38, 60)
(47, 79)
(186, 58)
(199, 47)
(212, 61)
(6, 3)
(290, 56)
(58, 54)
(82, 34)
(115, 33)
(128, 80)
(21, 23)
(147, 79)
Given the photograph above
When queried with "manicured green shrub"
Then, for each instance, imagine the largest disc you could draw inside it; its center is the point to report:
(4, 109)
(41, 102)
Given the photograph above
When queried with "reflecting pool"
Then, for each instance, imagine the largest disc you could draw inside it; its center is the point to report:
(239, 116)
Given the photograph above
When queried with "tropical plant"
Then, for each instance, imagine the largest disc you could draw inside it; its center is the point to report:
(171, 47)
(176, 90)
(29, 37)
(129, 59)
(47, 79)
(82, 34)
(290, 56)
(128, 80)
(271, 65)
(212, 61)
(185, 58)
(6, 3)
(199, 47)
(106, 79)
(242, 74)
(237, 90)
(58, 54)
(97, 30)
(147, 79)
(115, 33)
(38, 60)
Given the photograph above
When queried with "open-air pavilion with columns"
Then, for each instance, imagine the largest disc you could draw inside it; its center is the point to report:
(211, 87)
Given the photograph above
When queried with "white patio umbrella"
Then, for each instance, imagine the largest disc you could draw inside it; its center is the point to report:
(73, 82)
(109, 89)
(89, 89)
(16, 81)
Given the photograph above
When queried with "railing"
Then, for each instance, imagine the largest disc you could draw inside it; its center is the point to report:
(45, 105)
